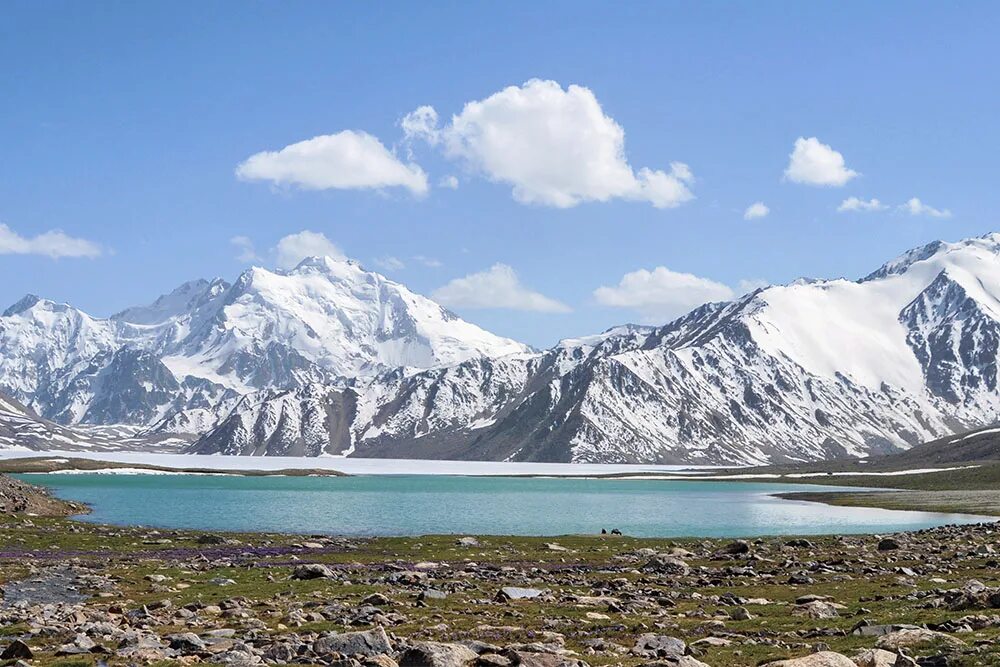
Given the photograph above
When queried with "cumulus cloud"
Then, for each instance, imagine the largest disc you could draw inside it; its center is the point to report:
(449, 182)
(292, 249)
(916, 207)
(389, 263)
(344, 161)
(496, 287)
(661, 294)
(53, 244)
(553, 146)
(855, 204)
(756, 210)
(812, 162)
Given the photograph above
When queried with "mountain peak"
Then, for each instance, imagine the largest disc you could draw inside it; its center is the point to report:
(26, 302)
(176, 303)
(327, 264)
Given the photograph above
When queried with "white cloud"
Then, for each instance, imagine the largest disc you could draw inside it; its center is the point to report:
(54, 244)
(389, 263)
(293, 248)
(247, 252)
(346, 160)
(555, 147)
(429, 262)
(662, 294)
(450, 182)
(756, 210)
(815, 163)
(916, 207)
(855, 204)
(422, 124)
(496, 287)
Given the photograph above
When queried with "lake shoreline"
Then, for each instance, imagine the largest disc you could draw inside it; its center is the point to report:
(958, 489)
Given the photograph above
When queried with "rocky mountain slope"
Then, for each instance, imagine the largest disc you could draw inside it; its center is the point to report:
(207, 343)
(806, 371)
(21, 429)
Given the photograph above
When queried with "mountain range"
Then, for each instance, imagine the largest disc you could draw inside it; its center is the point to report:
(331, 359)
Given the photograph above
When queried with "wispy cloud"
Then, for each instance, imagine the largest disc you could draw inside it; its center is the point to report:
(916, 207)
(855, 204)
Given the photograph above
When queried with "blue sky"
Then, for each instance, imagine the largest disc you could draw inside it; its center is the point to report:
(123, 126)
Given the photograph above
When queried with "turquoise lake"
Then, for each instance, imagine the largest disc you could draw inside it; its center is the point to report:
(426, 504)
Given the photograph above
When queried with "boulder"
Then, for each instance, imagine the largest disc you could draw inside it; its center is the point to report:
(875, 657)
(663, 564)
(436, 654)
(366, 643)
(17, 650)
(312, 571)
(650, 645)
(821, 659)
(508, 593)
(915, 637)
(889, 544)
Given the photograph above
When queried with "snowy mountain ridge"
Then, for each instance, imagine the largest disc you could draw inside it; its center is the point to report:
(810, 370)
(328, 359)
(208, 342)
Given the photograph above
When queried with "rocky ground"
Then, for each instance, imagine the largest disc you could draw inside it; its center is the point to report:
(82, 594)
(16, 497)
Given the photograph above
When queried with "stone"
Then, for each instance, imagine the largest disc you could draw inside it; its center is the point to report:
(186, 642)
(467, 542)
(875, 657)
(817, 609)
(889, 544)
(821, 659)
(740, 614)
(737, 548)
(534, 659)
(367, 643)
(436, 654)
(651, 645)
(432, 594)
(508, 593)
(312, 571)
(915, 637)
(377, 599)
(17, 650)
(663, 564)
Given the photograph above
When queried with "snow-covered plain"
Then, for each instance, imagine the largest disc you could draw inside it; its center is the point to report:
(353, 466)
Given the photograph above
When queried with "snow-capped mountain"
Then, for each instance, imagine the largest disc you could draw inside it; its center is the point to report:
(201, 347)
(810, 370)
